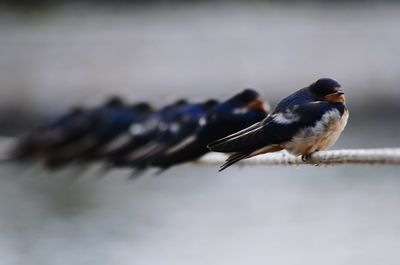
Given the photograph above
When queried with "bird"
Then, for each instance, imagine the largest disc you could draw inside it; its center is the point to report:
(110, 124)
(77, 127)
(236, 113)
(32, 143)
(118, 151)
(183, 122)
(80, 132)
(309, 120)
(113, 122)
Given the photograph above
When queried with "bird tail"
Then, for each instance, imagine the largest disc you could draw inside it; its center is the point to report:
(234, 158)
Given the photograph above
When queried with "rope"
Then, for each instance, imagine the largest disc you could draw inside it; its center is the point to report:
(379, 156)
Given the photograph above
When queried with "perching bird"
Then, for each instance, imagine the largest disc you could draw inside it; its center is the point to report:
(97, 127)
(236, 113)
(183, 123)
(112, 122)
(117, 152)
(303, 123)
(79, 136)
(32, 143)
(76, 128)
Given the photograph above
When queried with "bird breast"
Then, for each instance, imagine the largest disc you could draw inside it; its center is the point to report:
(321, 136)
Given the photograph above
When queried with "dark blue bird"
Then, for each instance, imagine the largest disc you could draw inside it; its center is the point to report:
(34, 142)
(117, 152)
(77, 127)
(83, 139)
(112, 123)
(234, 114)
(303, 123)
(183, 123)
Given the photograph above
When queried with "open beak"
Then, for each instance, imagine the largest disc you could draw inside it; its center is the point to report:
(338, 96)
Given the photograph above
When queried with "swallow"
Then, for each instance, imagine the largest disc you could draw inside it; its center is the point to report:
(31, 144)
(309, 120)
(100, 125)
(113, 122)
(77, 127)
(236, 113)
(184, 123)
(117, 152)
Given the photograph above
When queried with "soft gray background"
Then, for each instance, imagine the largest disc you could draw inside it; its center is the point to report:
(80, 54)
(192, 215)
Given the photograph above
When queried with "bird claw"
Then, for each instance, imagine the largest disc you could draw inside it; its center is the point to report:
(308, 159)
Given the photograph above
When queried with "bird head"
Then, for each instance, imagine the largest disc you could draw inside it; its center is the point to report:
(208, 104)
(179, 103)
(236, 113)
(250, 100)
(114, 101)
(142, 107)
(327, 89)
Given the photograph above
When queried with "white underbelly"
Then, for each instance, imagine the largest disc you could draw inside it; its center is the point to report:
(319, 137)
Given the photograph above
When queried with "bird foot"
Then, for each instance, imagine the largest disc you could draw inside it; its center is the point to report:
(307, 158)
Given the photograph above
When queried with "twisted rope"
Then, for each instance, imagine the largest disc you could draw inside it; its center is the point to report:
(380, 156)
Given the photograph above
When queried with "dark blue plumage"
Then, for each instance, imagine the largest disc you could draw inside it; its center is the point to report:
(315, 91)
(182, 123)
(305, 122)
(79, 133)
(103, 124)
(309, 120)
(236, 113)
(35, 141)
(78, 127)
(185, 124)
(302, 96)
(117, 152)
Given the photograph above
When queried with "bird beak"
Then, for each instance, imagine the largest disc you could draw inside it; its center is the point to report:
(338, 96)
(256, 104)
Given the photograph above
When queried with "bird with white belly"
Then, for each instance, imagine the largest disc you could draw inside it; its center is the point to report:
(307, 121)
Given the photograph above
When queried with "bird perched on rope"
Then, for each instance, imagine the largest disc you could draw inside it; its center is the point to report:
(183, 123)
(236, 113)
(309, 120)
(118, 151)
(78, 133)
(102, 124)
(36, 141)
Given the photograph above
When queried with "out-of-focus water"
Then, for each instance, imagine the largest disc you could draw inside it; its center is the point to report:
(192, 215)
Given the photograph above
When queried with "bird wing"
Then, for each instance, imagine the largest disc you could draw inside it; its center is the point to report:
(233, 135)
(300, 97)
(276, 129)
(248, 139)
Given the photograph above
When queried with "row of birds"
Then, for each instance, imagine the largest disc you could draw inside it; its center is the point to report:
(139, 137)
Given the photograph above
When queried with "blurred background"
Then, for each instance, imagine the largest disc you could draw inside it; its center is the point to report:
(55, 54)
